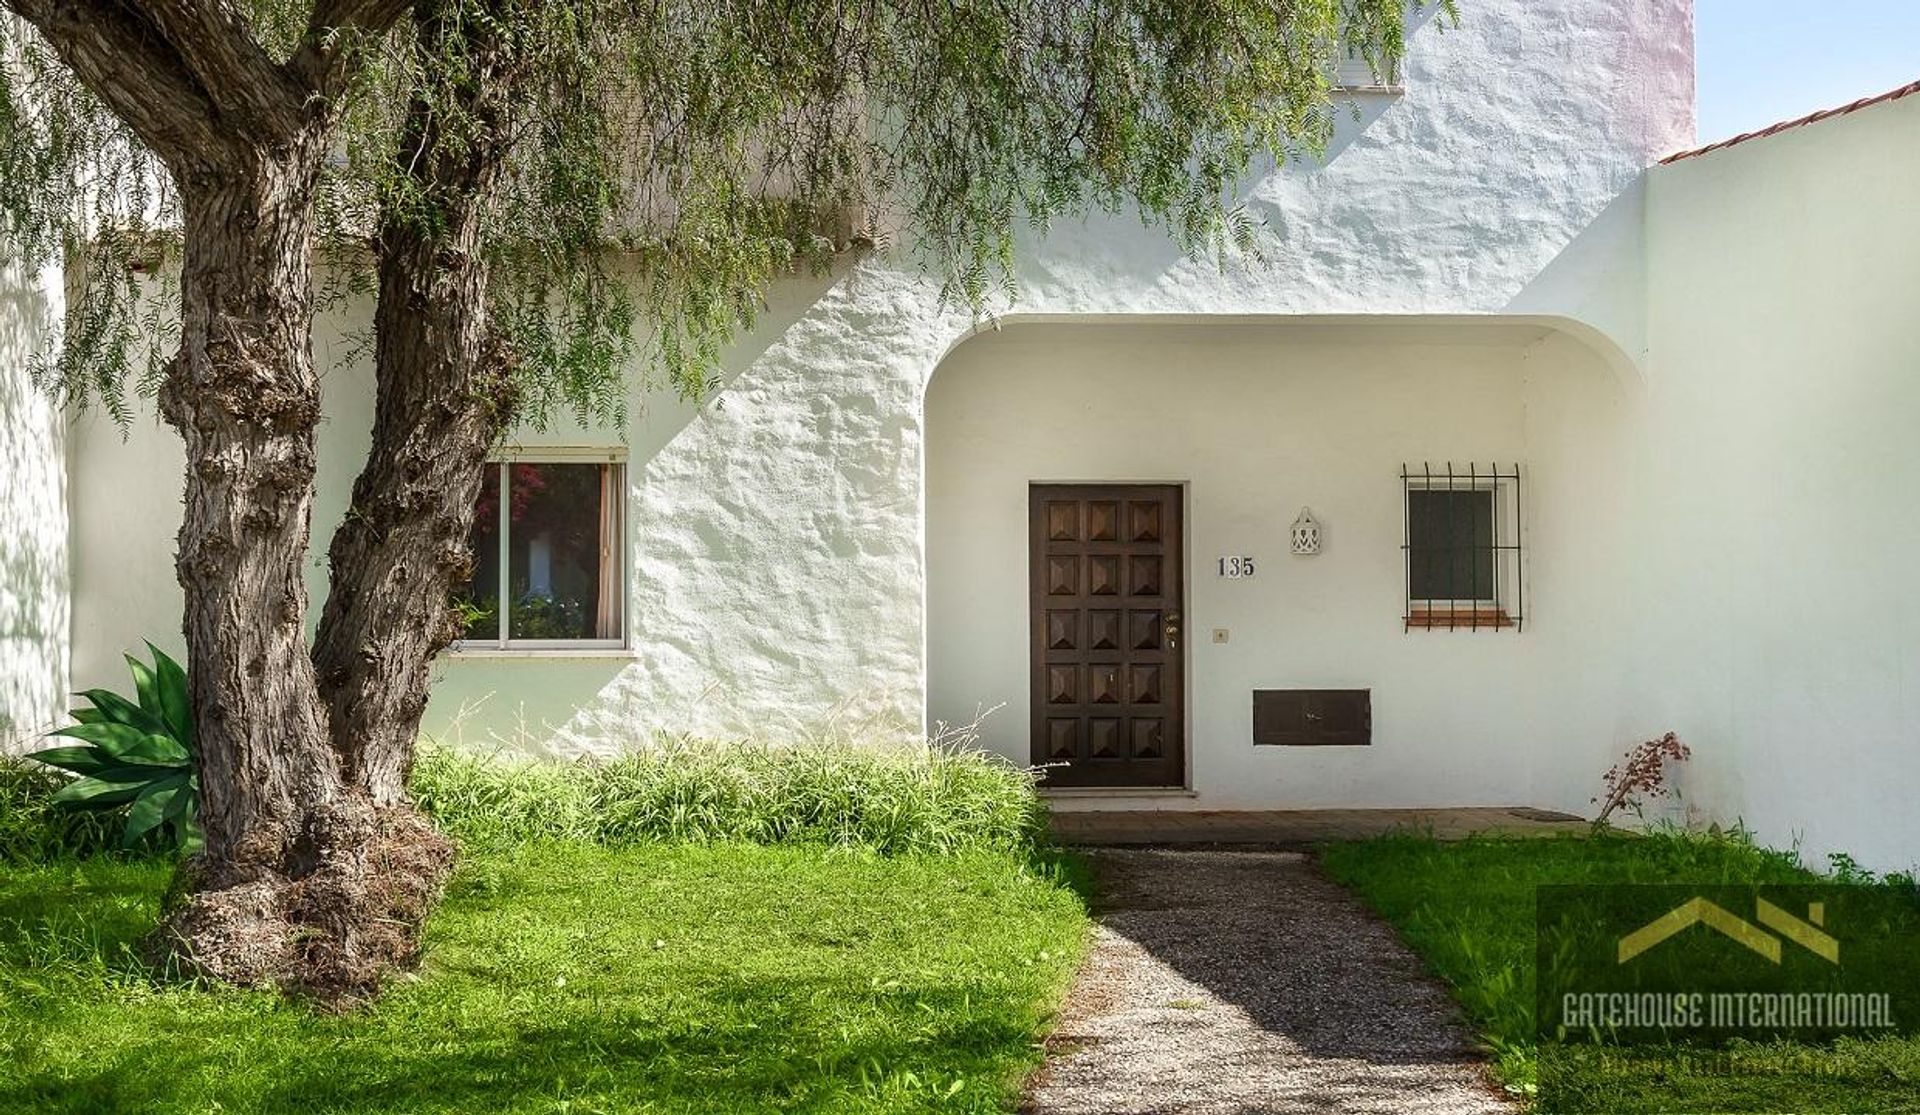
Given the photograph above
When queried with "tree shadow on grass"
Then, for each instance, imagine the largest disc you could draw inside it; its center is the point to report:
(763, 1048)
(91, 919)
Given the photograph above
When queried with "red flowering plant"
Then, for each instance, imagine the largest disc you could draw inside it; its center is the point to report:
(1641, 773)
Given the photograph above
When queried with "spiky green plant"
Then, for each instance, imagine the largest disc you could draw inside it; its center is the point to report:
(135, 755)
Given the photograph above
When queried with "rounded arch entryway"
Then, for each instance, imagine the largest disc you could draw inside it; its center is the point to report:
(1252, 420)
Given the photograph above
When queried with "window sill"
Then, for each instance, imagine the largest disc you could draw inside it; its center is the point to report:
(1069, 793)
(1459, 619)
(540, 652)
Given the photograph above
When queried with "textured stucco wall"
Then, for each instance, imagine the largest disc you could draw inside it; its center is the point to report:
(1776, 627)
(33, 514)
(779, 534)
(779, 530)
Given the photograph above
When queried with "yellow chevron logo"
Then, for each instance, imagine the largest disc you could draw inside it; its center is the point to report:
(1698, 911)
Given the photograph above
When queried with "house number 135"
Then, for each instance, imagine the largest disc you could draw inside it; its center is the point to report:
(1236, 567)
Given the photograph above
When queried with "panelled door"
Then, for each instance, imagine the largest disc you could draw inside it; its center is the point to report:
(1108, 690)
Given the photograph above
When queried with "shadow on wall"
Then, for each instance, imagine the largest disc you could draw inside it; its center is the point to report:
(721, 535)
(1107, 251)
(33, 520)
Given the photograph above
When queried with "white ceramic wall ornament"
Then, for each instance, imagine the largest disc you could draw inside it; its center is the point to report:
(1306, 533)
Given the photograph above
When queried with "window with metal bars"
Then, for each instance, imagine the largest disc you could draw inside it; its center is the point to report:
(1462, 547)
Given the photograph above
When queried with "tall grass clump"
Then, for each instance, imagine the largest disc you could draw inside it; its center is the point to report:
(891, 799)
(34, 828)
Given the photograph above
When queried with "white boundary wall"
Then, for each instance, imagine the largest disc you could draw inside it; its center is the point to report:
(1777, 623)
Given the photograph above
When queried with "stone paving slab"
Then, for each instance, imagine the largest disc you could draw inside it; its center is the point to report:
(1245, 983)
(1296, 827)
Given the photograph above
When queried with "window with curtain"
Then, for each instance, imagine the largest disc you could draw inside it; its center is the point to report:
(547, 565)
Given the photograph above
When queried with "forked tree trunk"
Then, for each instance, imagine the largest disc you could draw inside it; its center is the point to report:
(307, 878)
(316, 873)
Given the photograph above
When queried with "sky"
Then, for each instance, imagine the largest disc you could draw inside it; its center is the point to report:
(1762, 61)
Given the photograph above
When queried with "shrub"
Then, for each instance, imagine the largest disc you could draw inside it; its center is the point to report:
(34, 828)
(135, 755)
(889, 799)
(1642, 771)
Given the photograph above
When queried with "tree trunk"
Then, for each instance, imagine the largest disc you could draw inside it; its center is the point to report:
(307, 879)
(444, 396)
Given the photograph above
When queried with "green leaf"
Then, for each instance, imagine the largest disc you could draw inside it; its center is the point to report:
(94, 793)
(107, 735)
(118, 710)
(87, 715)
(179, 804)
(145, 687)
(160, 751)
(176, 701)
(149, 809)
(107, 767)
(128, 743)
(181, 808)
(79, 760)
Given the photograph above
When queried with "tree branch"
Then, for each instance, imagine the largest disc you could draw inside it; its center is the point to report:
(122, 59)
(318, 63)
(219, 49)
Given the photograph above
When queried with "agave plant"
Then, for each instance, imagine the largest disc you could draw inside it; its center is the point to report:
(136, 754)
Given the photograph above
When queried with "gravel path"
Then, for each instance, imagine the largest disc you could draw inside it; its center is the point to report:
(1236, 983)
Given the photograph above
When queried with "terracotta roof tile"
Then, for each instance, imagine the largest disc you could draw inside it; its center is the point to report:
(1785, 125)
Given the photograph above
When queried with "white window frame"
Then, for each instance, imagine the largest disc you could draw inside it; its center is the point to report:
(554, 455)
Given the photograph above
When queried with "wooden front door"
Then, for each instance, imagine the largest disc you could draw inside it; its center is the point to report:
(1108, 688)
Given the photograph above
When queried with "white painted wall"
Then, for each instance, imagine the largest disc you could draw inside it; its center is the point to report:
(1713, 388)
(1258, 420)
(33, 514)
(779, 532)
(1778, 618)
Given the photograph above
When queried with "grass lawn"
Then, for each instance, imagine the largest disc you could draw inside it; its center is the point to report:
(571, 978)
(1468, 908)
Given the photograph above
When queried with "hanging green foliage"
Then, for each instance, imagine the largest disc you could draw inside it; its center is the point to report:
(669, 160)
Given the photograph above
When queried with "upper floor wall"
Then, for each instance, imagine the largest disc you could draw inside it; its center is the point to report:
(1502, 177)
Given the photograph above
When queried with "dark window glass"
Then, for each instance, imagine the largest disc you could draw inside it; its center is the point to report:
(1450, 544)
(562, 575)
(553, 550)
(479, 601)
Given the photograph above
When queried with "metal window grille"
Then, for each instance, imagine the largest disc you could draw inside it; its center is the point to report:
(1462, 547)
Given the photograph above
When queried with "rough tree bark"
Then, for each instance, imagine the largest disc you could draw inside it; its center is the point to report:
(308, 877)
(311, 877)
(444, 397)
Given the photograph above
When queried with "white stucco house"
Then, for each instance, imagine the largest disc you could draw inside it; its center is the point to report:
(1585, 441)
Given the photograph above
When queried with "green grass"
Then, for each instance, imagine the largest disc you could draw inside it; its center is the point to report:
(570, 977)
(34, 829)
(888, 798)
(1468, 909)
